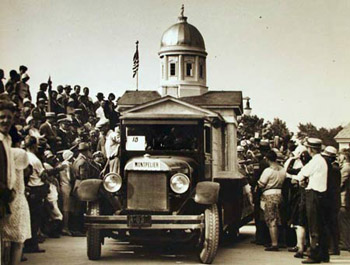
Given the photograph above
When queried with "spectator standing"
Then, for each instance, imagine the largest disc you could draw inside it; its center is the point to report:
(39, 111)
(271, 182)
(103, 126)
(296, 201)
(344, 214)
(109, 110)
(16, 226)
(98, 103)
(48, 130)
(66, 178)
(10, 85)
(332, 198)
(9, 184)
(81, 170)
(2, 76)
(42, 91)
(38, 191)
(315, 193)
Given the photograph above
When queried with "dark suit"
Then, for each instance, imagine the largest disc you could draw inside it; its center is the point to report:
(344, 214)
(4, 203)
(50, 134)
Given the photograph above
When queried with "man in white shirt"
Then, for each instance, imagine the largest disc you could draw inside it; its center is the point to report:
(316, 173)
(38, 192)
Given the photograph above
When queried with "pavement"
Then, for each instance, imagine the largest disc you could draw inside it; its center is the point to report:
(72, 251)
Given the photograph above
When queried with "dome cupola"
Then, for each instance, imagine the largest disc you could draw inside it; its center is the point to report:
(182, 56)
(182, 36)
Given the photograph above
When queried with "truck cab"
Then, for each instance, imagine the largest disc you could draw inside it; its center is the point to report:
(169, 184)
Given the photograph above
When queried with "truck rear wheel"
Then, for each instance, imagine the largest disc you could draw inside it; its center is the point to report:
(210, 235)
(94, 239)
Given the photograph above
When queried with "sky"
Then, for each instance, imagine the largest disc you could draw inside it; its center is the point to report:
(291, 57)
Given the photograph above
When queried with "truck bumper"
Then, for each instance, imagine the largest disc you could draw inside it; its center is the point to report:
(116, 222)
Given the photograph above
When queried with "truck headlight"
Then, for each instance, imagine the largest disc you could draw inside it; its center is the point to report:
(179, 183)
(112, 182)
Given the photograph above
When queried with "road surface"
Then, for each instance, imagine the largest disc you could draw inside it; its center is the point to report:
(72, 251)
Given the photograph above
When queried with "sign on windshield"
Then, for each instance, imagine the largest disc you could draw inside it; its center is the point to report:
(136, 143)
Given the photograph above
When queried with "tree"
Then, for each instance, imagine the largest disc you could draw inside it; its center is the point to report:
(326, 135)
(249, 125)
(279, 128)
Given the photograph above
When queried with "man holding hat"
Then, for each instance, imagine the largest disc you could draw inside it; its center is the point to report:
(332, 198)
(315, 171)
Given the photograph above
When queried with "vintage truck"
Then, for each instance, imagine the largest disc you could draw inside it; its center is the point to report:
(171, 184)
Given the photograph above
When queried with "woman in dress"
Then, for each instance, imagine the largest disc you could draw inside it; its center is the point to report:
(296, 202)
(16, 226)
(270, 182)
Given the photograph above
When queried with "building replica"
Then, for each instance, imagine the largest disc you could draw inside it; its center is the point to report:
(184, 90)
(178, 176)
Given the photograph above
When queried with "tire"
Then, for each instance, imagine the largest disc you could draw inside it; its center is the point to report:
(94, 240)
(210, 235)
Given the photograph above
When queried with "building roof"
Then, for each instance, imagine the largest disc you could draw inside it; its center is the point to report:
(213, 99)
(344, 133)
(133, 97)
(182, 36)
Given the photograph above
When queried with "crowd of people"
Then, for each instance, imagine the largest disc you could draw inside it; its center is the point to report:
(46, 149)
(301, 194)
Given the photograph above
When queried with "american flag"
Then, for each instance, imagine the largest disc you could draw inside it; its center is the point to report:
(135, 68)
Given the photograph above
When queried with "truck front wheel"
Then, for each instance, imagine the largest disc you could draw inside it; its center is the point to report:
(94, 239)
(210, 235)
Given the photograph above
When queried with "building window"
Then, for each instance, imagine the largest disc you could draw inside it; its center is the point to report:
(189, 69)
(201, 71)
(172, 69)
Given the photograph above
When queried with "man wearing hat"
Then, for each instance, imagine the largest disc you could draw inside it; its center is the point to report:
(103, 126)
(66, 135)
(48, 130)
(262, 233)
(315, 171)
(332, 198)
(39, 112)
(78, 119)
(344, 213)
(83, 168)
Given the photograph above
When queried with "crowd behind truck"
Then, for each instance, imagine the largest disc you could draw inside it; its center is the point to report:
(300, 190)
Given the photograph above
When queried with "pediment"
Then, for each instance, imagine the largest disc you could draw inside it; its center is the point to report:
(169, 106)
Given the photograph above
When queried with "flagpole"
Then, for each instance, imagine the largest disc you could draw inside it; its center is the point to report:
(137, 81)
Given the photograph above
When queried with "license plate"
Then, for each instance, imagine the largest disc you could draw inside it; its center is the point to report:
(139, 221)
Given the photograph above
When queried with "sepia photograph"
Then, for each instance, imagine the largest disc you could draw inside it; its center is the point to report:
(174, 132)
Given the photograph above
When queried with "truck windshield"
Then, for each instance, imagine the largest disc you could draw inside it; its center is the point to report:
(161, 137)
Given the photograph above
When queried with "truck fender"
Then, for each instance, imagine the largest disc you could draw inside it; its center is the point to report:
(207, 192)
(88, 189)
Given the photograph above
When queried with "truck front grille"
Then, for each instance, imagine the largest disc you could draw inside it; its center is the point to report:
(147, 191)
